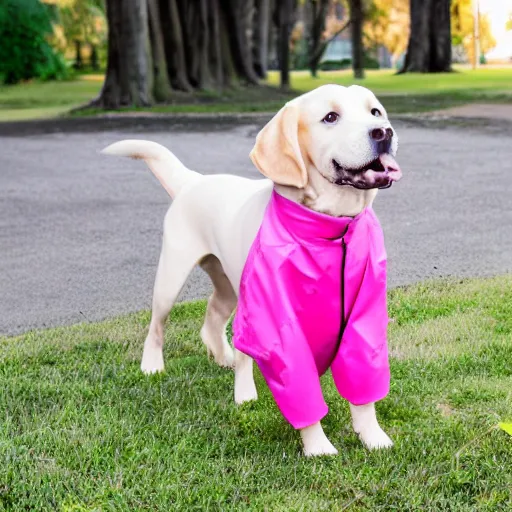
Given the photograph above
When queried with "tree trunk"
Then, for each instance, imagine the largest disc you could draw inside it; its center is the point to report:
(316, 45)
(285, 12)
(441, 37)
(95, 65)
(161, 86)
(215, 46)
(284, 54)
(79, 63)
(203, 68)
(261, 37)
(189, 16)
(239, 19)
(429, 48)
(418, 50)
(173, 44)
(129, 79)
(228, 66)
(356, 21)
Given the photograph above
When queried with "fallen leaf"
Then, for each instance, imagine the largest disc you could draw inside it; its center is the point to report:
(506, 427)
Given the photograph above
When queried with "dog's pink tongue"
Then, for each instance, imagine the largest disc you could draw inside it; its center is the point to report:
(391, 167)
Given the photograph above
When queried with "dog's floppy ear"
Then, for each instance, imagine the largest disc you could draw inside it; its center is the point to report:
(277, 152)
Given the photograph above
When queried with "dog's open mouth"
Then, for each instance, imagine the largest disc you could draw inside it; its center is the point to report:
(379, 173)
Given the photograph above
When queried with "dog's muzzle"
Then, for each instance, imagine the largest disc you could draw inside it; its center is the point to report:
(379, 173)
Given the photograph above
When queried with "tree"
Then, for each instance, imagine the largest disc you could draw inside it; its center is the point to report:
(462, 17)
(356, 19)
(261, 28)
(162, 88)
(387, 24)
(156, 47)
(24, 50)
(316, 46)
(429, 49)
(82, 22)
(129, 77)
(325, 27)
(284, 16)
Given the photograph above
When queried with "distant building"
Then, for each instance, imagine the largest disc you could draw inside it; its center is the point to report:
(340, 48)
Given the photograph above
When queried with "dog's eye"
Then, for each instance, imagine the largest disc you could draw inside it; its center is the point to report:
(331, 118)
(376, 112)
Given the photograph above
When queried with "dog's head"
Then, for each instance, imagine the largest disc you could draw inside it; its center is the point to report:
(341, 133)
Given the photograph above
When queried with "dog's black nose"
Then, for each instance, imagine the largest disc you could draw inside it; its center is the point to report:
(379, 134)
(382, 139)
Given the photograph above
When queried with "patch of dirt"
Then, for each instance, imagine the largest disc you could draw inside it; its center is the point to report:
(478, 111)
(445, 410)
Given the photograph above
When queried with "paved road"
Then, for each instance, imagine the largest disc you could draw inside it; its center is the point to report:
(80, 232)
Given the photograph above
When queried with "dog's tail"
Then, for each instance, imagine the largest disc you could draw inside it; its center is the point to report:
(168, 169)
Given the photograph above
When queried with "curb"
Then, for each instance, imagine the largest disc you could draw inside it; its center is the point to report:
(137, 121)
(207, 121)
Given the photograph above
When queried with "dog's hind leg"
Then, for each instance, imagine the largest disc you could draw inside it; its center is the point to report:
(221, 305)
(178, 257)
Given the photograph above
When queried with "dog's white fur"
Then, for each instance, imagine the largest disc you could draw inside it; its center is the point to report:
(213, 221)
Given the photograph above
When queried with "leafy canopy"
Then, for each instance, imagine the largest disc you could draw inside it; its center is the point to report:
(25, 52)
(462, 28)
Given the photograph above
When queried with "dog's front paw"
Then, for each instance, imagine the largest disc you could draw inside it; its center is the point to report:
(322, 448)
(315, 441)
(375, 439)
(245, 391)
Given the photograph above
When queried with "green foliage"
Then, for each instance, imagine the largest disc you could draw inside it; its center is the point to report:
(387, 24)
(83, 20)
(82, 23)
(462, 20)
(370, 62)
(332, 65)
(300, 57)
(24, 51)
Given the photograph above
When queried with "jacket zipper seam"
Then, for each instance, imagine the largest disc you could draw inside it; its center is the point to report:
(343, 319)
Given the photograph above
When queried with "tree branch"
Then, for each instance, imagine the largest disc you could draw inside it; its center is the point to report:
(321, 49)
(349, 21)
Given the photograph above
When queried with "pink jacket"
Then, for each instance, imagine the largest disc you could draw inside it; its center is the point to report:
(313, 296)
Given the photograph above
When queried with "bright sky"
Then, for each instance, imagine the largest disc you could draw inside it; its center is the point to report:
(498, 11)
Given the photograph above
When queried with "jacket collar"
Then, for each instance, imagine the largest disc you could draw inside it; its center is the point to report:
(306, 224)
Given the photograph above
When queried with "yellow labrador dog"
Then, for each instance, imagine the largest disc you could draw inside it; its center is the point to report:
(329, 150)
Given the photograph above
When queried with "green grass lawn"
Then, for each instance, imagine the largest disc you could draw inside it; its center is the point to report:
(37, 100)
(385, 82)
(400, 93)
(82, 429)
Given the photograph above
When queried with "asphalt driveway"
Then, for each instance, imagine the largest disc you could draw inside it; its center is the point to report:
(80, 232)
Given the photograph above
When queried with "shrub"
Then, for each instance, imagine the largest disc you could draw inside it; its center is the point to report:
(24, 51)
(334, 65)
